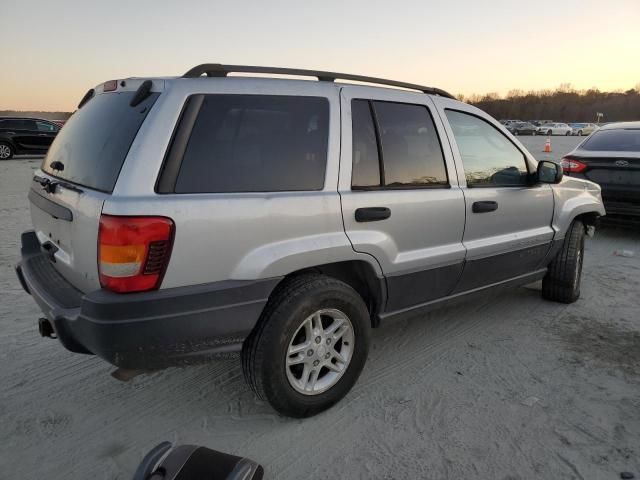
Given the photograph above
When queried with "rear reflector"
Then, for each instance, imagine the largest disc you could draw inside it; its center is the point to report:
(133, 252)
(572, 166)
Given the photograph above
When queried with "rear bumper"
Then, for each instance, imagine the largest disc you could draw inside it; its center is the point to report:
(147, 330)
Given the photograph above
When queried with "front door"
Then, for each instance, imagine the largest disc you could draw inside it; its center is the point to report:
(508, 220)
(401, 202)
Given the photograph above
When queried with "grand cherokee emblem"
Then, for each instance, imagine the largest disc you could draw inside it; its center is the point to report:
(622, 163)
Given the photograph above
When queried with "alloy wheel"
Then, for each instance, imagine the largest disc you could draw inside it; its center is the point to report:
(5, 152)
(319, 351)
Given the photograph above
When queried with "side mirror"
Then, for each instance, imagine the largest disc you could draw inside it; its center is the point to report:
(549, 172)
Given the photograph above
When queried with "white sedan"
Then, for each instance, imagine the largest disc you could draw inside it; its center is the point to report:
(554, 129)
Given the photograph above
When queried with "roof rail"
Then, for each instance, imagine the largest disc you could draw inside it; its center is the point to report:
(218, 70)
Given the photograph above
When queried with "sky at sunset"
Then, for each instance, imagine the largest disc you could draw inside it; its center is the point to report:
(53, 51)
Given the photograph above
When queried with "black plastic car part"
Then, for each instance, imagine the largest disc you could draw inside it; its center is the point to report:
(191, 462)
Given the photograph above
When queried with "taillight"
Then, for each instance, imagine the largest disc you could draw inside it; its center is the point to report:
(133, 252)
(572, 166)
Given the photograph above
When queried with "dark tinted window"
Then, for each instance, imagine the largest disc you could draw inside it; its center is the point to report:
(411, 151)
(46, 126)
(256, 143)
(489, 158)
(18, 124)
(614, 141)
(366, 164)
(95, 140)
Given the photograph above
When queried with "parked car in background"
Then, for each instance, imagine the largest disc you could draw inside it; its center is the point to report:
(177, 219)
(537, 123)
(611, 158)
(20, 136)
(554, 129)
(506, 123)
(581, 129)
(522, 128)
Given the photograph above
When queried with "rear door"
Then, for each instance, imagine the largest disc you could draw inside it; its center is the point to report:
(508, 222)
(401, 202)
(82, 167)
(46, 133)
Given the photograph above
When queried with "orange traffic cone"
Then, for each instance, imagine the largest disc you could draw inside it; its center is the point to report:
(547, 145)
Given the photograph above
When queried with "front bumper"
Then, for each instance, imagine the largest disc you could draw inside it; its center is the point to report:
(148, 330)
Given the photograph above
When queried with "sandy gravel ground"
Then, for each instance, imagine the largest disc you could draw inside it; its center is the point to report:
(511, 387)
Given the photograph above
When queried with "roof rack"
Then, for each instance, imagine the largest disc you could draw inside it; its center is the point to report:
(218, 70)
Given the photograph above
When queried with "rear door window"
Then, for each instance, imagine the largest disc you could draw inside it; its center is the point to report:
(256, 143)
(411, 151)
(395, 145)
(46, 127)
(613, 141)
(95, 140)
(366, 161)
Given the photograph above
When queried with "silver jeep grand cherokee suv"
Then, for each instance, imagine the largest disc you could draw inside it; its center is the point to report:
(178, 219)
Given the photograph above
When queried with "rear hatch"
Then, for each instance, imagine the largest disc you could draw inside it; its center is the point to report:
(77, 175)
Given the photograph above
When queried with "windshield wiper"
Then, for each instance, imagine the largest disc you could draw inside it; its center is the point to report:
(49, 186)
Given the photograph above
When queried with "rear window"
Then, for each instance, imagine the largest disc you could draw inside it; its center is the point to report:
(256, 143)
(95, 140)
(613, 141)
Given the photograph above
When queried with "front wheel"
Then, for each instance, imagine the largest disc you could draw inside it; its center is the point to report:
(549, 132)
(6, 151)
(562, 281)
(579, 133)
(309, 347)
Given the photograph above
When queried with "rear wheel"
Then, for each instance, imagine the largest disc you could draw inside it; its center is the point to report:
(568, 133)
(6, 151)
(562, 281)
(579, 133)
(309, 347)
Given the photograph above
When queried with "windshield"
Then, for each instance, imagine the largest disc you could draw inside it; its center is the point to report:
(614, 141)
(93, 144)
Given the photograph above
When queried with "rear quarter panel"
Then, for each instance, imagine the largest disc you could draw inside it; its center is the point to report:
(242, 236)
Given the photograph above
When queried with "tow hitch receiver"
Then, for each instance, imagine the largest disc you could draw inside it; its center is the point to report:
(45, 328)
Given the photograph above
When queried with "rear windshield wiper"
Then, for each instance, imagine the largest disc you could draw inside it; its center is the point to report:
(49, 185)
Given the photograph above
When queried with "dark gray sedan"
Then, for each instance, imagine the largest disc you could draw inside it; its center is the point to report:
(611, 158)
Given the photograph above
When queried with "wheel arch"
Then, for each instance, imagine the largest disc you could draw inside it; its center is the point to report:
(360, 275)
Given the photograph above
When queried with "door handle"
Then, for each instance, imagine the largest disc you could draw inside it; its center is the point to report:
(482, 207)
(372, 214)
(42, 134)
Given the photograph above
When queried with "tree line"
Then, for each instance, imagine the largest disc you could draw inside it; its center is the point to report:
(564, 104)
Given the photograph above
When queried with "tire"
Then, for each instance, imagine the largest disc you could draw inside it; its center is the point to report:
(579, 133)
(515, 132)
(567, 134)
(294, 306)
(6, 151)
(549, 132)
(533, 133)
(562, 281)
